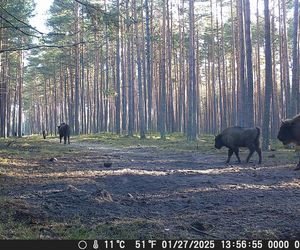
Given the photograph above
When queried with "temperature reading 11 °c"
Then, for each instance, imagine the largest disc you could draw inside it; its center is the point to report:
(114, 244)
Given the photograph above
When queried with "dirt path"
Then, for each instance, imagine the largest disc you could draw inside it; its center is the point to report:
(161, 194)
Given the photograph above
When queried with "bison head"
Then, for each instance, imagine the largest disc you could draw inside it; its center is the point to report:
(61, 125)
(218, 142)
(285, 134)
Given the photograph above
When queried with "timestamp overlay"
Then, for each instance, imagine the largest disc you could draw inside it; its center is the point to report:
(199, 244)
(148, 244)
(212, 244)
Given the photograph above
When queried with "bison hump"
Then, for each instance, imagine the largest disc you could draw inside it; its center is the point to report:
(296, 118)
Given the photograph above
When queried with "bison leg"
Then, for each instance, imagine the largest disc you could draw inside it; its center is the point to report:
(252, 149)
(250, 154)
(258, 150)
(236, 151)
(65, 139)
(230, 152)
(68, 139)
(60, 139)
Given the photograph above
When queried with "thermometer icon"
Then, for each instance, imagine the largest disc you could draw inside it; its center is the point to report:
(95, 245)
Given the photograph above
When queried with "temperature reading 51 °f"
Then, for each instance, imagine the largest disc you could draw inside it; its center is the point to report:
(145, 244)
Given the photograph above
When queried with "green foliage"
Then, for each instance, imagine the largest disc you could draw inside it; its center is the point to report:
(176, 141)
(125, 229)
(14, 12)
(46, 65)
(33, 147)
(258, 32)
(10, 228)
(62, 16)
(110, 92)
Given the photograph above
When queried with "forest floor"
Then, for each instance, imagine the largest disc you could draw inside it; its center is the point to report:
(154, 189)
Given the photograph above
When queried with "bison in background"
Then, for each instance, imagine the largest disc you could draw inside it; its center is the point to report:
(235, 137)
(289, 132)
(44, 134)
(64, 132)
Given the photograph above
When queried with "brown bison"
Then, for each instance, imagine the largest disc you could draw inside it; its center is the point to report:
(235, 137)
(64, 132)
(289, 132)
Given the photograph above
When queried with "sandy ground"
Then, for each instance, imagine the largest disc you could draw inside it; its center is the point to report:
(180, 195)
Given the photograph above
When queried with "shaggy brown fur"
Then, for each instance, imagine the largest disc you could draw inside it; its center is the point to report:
(64, 132)
(235, 137)
(289, 132)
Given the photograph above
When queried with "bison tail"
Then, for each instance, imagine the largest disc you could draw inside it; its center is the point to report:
(258, 134)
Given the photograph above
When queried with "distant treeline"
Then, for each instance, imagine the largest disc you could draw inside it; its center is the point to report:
(137, 66)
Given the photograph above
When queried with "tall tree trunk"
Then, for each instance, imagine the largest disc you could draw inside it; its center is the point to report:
(14, 118)
(118, 83)
(221, 113)
(124, 97)
(295, 76)
(191, 129)
(82, 80)
(170, 108)
(233, 69)
(95, 85)
(243, 91)
(212, 94)
(4, 98)
(21, 70)
(140, 84)
(181, 100)
(268, 78)
(162, 112)
(259, 95)
(77, 70)
(8, 109)
(130, 79)
(275, 94)
(149, 62)
(224, 80)
(249, 103)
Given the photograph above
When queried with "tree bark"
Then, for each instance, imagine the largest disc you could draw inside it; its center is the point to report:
(268, 78)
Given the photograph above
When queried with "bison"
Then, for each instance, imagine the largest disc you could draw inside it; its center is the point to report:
(289, 132)
(235, 137)
(44, 134)
(64, 132)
